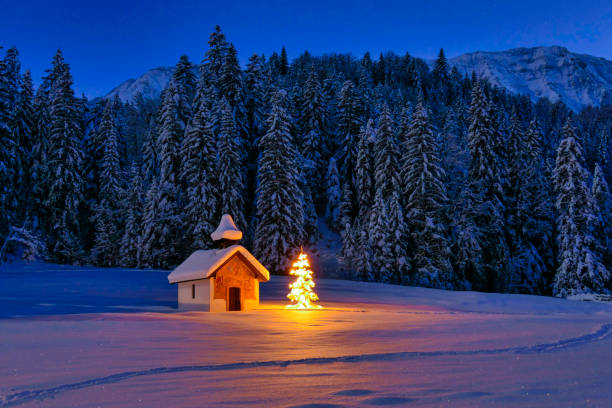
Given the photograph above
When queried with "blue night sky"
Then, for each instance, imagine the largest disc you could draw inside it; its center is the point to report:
(107, 42)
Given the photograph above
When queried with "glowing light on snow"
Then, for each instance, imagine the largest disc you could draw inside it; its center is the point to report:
(302, 294)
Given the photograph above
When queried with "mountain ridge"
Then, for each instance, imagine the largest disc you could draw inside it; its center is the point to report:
(551, 72)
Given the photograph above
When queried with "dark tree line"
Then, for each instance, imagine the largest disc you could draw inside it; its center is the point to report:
(431, 177)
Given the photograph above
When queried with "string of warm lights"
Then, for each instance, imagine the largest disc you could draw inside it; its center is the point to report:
(302, 294)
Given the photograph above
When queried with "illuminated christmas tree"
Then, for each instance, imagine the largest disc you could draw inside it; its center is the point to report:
(302, 295)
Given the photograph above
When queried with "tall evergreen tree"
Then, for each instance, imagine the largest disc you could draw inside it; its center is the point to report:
(283, 68)
(163, 238)
(397, 232)
(8, 145)
(255, 105)
(23, 128)
(230, 87)
(230, 78)
(150, 165)
(485, 186)
(131, 206)
(380, 242)
(349, 231)
(580, 270)
(441, 78)
(215, 55)
(386, 156)
(184, 81)
(94, 147)
(280, 212)
(530, 218)
(312, 125)
(453, 154)
(65, 164)
(348, 123)
(229, 169)
(199, 152)
(426, 200)
(603, 213)
(40, 175)
(516, 164)
(364, 171)
(106, 213)
(150, 240)
(170, 134)
(311, 219)
(11, 67)
(254, 83)
(603, 150)
(334, 195)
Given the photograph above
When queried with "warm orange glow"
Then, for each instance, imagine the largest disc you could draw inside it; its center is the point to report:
(302, 296)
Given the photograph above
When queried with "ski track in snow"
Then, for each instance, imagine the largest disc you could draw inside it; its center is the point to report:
(17, 398)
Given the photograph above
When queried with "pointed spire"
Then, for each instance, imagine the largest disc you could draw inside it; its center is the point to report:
(227, 229)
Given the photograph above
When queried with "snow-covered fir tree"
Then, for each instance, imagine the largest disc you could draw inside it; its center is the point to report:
(8, 147)
(312, 126)
(131, 205)
(349, 230)
(529, 212)
(426, 199)
(198, 172)
(334, 195)
(65, 159)
(365, 90)
(170, 135)
(230, 77)
(441, 78)
(231, 88)
(386, 156)
(162, 237)
(380, 242)
(580, 269)
(149, 154)
(106, 212)
(453, 153)
(397, 232)
(216, 53)
(487, 193)
(229, 169)
(40, 176)
(184, 81)
(254, 84)
(280, 207)
(283, 66)
(603, 213)
(311, 228)
(149, 246)
(364, 171)
(348, 121)
(22, 130)
(514, 178)
(12, 77)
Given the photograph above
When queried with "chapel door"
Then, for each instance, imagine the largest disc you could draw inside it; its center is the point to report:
(233, 300)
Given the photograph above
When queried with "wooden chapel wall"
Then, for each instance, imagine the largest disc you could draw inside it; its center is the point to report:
(235, 273)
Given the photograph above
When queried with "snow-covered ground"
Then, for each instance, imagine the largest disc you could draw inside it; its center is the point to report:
(86, 337)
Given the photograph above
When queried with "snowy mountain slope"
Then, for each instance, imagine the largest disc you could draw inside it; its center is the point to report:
(555, 73)
(150, 84)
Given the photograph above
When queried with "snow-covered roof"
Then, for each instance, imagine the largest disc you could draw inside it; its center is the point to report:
(203, 264)
(227, 229)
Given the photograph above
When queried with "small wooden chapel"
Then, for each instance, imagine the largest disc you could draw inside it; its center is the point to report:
(223, 279)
